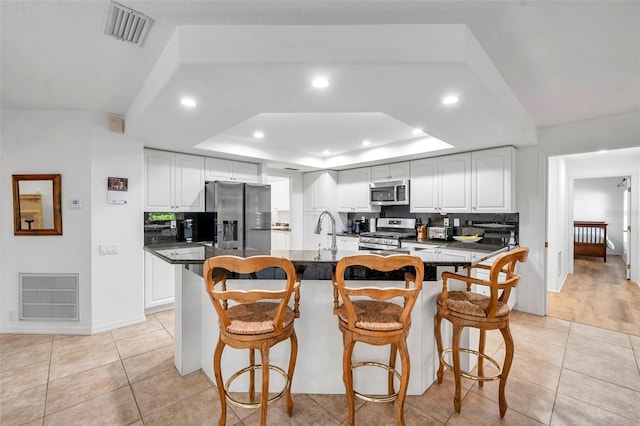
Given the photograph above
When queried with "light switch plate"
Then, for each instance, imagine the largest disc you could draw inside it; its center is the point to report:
(107, 248)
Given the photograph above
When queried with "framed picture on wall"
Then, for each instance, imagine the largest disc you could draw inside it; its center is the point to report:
(117, 184)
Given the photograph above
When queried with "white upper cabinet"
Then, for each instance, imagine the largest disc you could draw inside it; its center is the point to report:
(173, 182)
(477, 182)
(353, 191)
(455, 183)
(320, 190)
(394, 171)
(424, 192)
(493, 180)
(221, 169)
(441, 184)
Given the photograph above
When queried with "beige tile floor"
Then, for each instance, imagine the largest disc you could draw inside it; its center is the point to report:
(564, 373)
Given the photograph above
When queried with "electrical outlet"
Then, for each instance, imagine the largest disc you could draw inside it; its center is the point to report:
(456, 221)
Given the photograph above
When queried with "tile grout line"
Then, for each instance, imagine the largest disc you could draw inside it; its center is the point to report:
(135, 400)
(595, 378)
(555, 396)
(46, 391)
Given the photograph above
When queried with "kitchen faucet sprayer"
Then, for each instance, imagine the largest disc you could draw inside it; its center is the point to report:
(334, 246)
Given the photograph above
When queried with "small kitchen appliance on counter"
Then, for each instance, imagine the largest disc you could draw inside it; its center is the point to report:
(440, 232)
(185, 230)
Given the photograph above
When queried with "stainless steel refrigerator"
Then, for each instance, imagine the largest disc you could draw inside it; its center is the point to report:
(243, 214)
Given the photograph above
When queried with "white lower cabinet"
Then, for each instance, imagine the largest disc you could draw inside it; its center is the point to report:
(280, 240)
(347, 243)
(159, 284)
(483, 274)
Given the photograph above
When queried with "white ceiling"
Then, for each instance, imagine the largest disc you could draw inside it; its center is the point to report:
(517, 66)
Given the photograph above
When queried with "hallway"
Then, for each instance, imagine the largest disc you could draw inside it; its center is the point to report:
(598, 294)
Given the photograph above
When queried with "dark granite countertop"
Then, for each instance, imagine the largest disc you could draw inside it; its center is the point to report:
(318, 265)
(452, 244)
(196, 253)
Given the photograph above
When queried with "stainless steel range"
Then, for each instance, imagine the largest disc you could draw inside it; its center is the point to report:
(389, 232)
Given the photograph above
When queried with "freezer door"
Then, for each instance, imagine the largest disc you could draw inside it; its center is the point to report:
(228, 205)
(257, 211)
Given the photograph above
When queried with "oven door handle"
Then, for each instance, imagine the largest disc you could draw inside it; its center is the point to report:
(367, 246)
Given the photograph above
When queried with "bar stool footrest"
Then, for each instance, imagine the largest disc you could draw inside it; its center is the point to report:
(238, 373)
(375, 398)
(469, 375)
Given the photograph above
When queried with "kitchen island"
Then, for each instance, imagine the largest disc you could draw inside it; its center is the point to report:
(319, 363)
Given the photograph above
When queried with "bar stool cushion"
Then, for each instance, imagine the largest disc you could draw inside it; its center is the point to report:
(374, 315)
(474, 304)
(256, 318)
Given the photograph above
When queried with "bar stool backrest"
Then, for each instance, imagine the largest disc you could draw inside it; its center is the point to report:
(382, 264)
(220, 295)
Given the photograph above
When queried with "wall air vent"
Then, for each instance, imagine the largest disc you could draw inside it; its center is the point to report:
(126, 24)
(291, 168)
(49, 296)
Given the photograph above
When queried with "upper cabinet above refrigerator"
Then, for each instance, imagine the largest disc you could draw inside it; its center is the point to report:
(234, 171)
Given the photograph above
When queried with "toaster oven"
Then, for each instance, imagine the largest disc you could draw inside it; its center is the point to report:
(440, 232)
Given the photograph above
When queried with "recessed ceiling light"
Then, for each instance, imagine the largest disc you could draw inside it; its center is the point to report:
(417, 131)
(366, 143)
(450, 100)
(258, 134)
(188, 102)
(326, 152)
(320, 82)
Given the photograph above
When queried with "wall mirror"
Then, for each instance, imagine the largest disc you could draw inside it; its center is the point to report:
(37, 207)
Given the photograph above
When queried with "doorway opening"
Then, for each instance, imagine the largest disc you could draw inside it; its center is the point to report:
(589, 288)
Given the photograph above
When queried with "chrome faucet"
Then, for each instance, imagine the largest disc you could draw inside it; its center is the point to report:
(334, 246)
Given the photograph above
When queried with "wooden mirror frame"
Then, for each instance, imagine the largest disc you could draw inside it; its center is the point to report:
(57, 205)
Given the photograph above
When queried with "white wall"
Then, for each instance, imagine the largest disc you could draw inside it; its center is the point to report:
(600, 199)
(117, 280)
(557, 222)
(76, 145)
(531, 181)
(46, 142)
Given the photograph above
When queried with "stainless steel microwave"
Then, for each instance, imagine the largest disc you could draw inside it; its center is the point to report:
(391, 193)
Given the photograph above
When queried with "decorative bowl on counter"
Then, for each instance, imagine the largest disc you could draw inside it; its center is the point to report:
(467, 238)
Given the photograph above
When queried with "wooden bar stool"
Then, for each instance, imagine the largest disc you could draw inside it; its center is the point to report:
(252, 323)
(469, 309)
(367, 316)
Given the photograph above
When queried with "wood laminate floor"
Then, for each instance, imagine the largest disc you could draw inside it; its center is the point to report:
(598, 294)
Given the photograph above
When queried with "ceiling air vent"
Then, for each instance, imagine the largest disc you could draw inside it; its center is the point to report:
(126, 24)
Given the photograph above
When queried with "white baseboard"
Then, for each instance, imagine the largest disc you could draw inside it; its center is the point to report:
(119, 324)
(154, 309)
(45, 329)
